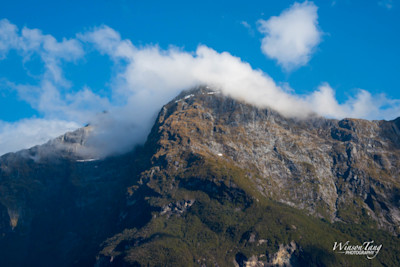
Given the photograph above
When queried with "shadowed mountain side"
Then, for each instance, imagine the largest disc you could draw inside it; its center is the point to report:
(57, 208)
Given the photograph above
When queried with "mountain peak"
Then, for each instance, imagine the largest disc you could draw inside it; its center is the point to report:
(71, 145)
(218, 181)
(306, 158)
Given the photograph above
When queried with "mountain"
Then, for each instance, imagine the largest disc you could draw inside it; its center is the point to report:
(218, 183)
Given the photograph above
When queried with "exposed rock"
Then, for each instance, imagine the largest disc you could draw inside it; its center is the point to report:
(178, 207)
(333, 169)
(254, 262)
(284, 255)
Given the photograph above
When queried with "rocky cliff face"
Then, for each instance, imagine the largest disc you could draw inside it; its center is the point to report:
(338, 170)
(218, 183)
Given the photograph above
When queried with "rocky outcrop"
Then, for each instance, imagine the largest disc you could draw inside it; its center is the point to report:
(282, 258)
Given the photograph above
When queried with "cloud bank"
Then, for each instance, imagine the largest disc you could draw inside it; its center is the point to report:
(145, 79)
(291, 37)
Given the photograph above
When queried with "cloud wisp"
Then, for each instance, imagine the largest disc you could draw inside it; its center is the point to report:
(248, 27)
(145, 79)
(388, 4)
(291, 37)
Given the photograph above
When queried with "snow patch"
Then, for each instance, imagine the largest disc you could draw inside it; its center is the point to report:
(188, 96)
(185, 97)
(85, 160)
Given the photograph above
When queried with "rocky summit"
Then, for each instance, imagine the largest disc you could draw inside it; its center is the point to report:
(218, 183)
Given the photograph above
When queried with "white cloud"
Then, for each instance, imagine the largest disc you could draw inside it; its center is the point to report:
(8, 37)
(51, 95)
(173, 70)
(147, 78)
(108, 41)
(32, 41)
(30, 132)
(291, 37)
(363, 105)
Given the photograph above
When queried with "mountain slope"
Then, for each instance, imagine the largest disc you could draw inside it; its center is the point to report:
(319, 165)
(218, 182)
(220, 168)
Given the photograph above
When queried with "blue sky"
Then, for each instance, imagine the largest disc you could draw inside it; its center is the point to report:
(347, 60)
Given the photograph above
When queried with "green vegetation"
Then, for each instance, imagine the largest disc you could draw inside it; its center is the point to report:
(230, 218)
